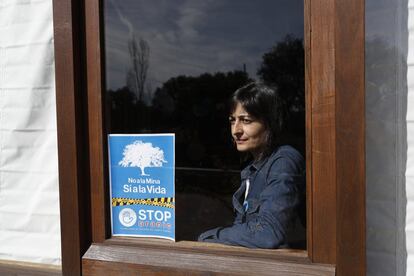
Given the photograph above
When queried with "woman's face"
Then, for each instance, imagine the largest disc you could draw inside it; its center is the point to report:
(248, 132)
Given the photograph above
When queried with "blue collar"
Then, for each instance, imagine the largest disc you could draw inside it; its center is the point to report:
(252, 168)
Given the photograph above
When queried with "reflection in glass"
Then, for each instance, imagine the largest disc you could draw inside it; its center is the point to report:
(387, 80)
(171, 67)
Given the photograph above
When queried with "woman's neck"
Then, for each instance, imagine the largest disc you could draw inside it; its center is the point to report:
(257, 155)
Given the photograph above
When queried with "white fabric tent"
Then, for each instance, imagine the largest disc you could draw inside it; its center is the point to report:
(29, 199)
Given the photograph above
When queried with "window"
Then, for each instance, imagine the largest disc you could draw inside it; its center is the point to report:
(171, 67)
(334, 150)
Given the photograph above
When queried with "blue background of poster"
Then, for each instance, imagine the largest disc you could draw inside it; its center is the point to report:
(142, 220)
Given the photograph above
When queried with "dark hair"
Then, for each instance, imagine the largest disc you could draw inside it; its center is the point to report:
(265, 104)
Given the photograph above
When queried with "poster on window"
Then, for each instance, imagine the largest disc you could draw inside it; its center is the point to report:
(141, 170)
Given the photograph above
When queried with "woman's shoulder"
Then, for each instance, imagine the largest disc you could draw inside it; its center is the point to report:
(287, 151)
(286, 158)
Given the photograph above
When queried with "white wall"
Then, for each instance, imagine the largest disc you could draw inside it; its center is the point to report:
(29, 201)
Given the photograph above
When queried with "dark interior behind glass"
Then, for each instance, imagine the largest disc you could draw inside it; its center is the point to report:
(171, 67)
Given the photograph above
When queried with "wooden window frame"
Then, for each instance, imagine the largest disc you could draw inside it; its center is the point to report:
(335, 148)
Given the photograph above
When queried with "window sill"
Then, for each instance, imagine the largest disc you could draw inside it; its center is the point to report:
(157, 257)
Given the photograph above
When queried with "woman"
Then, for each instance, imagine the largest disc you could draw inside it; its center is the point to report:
(272, 192)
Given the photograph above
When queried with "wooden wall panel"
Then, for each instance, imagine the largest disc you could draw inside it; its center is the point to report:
(97, 138)
(322, 105)
(337, 134)
(308, 127)
(350, 138)
(72, 130)
(28, 269)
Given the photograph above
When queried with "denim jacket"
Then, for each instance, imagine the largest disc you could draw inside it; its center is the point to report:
(275, 197)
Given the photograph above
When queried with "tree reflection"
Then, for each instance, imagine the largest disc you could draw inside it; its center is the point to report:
(284, 66)
(139, 52)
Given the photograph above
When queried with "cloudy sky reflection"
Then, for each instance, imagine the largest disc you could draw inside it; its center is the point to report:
(191, 37)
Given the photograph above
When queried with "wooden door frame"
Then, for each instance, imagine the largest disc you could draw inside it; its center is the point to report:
(335, 125)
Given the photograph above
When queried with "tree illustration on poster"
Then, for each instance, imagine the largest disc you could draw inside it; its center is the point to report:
(142, 155)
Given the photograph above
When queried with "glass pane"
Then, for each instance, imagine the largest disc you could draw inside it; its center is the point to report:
(388, 73)
(171, 67)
